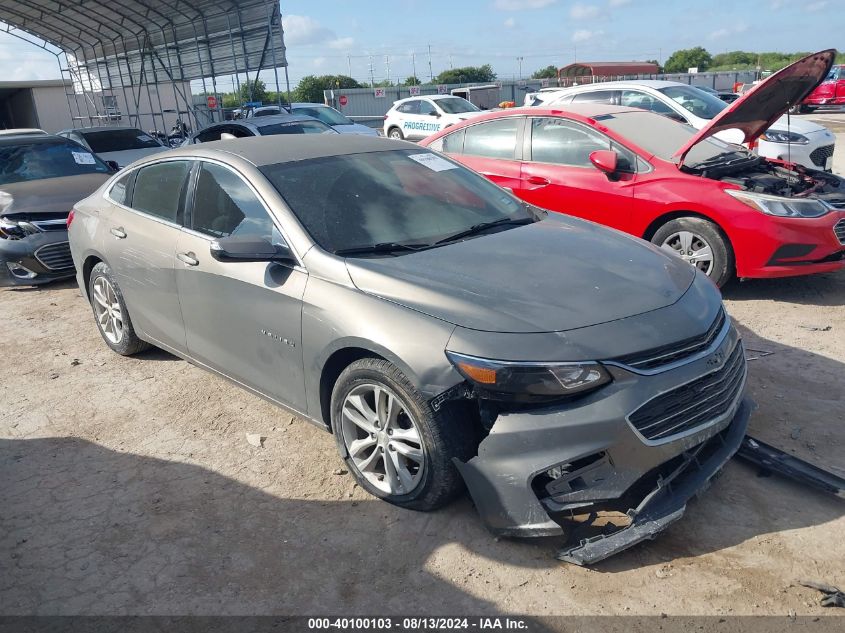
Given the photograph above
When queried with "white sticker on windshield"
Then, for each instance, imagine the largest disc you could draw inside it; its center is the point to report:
(144, 138)
(83, 158)
(433, 162)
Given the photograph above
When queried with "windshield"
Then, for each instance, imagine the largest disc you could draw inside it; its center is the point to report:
(38, 161)
(456, 105)
(412, 197)
(702, 104)
(119, 140)
(295, 127)
(661, 136)
(329, 116)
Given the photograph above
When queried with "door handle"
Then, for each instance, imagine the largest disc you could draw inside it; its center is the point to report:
(188, 258)
(538, 180)
(119, 233)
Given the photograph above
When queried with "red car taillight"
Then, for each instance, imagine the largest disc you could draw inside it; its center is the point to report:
(70, 218)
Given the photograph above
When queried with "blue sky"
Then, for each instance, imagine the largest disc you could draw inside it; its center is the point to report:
(328, 37)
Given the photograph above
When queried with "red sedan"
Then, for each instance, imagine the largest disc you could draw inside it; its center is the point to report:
(719, 206)
(830, 92)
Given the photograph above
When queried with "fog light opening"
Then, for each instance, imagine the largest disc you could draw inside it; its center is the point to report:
(19, 271)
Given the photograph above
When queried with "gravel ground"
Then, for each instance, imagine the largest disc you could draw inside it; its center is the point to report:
(127, 486)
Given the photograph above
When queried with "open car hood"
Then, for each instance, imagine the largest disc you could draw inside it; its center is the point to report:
(755, 111)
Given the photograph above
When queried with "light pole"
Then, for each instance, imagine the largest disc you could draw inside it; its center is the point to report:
(519, 59)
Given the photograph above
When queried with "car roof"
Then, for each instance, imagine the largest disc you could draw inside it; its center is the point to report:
(432, 97)
(102, 128)
(643, 83)
(303, 104)
(35, 139)
(23, 131)
(268, 150)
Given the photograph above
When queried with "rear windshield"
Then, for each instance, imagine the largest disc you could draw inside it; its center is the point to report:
(661, 136)
(119, 140)
(295, 127)
(38, 161)
(398, 196)
(456, 105)
(329, 116)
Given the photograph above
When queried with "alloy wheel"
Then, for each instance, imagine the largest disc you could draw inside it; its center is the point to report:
(383, 439)
(107, 310)
(692, 248)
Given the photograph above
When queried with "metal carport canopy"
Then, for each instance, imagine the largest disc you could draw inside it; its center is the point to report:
(129, 42)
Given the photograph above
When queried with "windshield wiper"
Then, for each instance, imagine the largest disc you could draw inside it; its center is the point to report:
(483, 226)
(381, 247)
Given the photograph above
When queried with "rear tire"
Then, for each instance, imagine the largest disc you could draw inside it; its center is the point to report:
(701, 243)
(419, 442)
(111, 314)
(396, 133)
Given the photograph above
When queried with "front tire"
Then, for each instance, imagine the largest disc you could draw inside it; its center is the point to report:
(395, 445)
(396, 133)
(700, 243)
(111, 314)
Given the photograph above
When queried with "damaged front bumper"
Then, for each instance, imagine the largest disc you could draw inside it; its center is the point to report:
(36, 259)
(539, 470)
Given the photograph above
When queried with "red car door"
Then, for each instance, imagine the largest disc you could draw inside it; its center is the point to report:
(557, 173)
(490, 148)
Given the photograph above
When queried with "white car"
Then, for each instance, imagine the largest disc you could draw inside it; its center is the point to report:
(417, 117)
(796, 140)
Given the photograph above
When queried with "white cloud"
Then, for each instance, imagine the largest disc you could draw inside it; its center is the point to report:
(618, 3)
(583, 11)
(303, 30)
(342, 42)
(817, 6)
(724, 32)
(585, 35)
(510, 23)
(777, 5)
(318, 62)
(522, 5)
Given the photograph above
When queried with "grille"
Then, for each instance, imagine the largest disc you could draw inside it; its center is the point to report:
(693, 404)
(821, 154)
(839, 229)
(666, 354)
(55, 256)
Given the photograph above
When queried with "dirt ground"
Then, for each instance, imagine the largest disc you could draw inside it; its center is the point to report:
(127, 486)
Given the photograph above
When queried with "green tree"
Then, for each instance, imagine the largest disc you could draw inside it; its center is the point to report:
(413, 80)
(253, 91)
(466, 75)
(686, 58)
(734, 59)
(549, 72)
(310, 88)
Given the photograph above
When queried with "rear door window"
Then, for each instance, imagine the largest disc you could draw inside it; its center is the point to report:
(121, 190)
(595, 96)
(494, 139)
(159, 189)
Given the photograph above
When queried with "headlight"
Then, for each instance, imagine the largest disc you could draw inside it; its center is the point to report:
(16, 230)
(507, 380)
(781, 207)
(780, 136)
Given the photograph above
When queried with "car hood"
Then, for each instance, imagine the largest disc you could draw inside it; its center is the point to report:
(355, 128)
(755, 111)
(123, 158)
(50, 195)
(554, 275)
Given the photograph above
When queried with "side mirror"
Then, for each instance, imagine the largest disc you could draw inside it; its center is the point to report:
(435, 113)
(112, 164)
(605, 160)
(236, 248)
